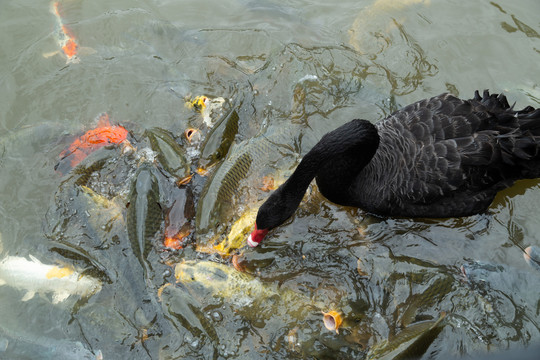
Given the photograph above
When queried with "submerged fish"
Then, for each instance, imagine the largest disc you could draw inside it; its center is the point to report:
(433, 294)
(235, 239)
(219, 140)
(34, 277)
(144, 214)
(231, 185)
(104, 134)
(104, 214)
(411, 343)
(244, 290)
(170, 154)
(69, 47)
(178, 219)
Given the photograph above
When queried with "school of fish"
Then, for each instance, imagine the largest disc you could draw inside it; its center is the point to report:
(184, 192)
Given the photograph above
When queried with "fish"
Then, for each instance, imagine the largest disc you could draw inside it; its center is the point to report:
(206, 106)
(223, 193)
(170, 154)
(178, 219)
(103, 214)
(410, 343)
(235, 239)
(68, 44)
(144, 214)
(34, 277)
(433, 294)
(219, 140)
(532, 256)
(244, 290)
(104, 134)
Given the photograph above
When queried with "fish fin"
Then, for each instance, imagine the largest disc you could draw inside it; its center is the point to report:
(99, 355)
(50, 54)
(59, 297)
(2, 282)
(29, 295)
(34, 259)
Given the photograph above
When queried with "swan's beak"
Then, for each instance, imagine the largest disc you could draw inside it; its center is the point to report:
(256, 236)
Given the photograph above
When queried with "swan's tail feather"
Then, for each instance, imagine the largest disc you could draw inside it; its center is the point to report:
(520, 140)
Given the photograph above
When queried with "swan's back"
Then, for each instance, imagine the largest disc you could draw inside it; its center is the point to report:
(444, 156)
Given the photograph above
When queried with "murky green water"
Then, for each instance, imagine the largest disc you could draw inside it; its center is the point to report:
(292, 71)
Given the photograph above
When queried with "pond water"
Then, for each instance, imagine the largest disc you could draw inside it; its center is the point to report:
(291, 72)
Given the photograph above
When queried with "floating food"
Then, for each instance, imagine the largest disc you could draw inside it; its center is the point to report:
(104, 134)
(144, 214)
(34, 277)
(411, 343)
(170, 154)
(532, 256)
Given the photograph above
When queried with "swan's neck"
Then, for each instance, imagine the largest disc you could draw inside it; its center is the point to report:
(348, 151)
(335, 160)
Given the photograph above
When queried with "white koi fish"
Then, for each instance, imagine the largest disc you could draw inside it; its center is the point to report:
(35, 277)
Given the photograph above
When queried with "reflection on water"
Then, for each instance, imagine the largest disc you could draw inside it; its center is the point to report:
(289, 73)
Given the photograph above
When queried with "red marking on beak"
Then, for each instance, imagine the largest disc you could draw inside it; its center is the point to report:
(256, 236)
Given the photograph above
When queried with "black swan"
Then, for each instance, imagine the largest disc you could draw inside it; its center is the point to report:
(439, 157)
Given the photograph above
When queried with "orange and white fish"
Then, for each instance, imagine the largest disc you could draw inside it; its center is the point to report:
(104, 134)
(69, 47)
(34, 277)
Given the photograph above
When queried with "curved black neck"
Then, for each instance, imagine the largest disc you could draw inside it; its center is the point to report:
(335, 161)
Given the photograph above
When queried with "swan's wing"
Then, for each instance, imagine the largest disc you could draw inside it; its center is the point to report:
(442, 144)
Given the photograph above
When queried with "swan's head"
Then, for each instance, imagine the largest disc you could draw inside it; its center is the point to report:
(273, 212)
(256, 236)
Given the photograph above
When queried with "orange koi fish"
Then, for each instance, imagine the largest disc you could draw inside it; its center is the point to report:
(104, 134)
(65, 38)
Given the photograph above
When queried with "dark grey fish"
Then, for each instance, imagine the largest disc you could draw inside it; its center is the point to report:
(433, 294)
(220, 196)
(220, 139)
(170, 154)
(144, 213)
(411, 343)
